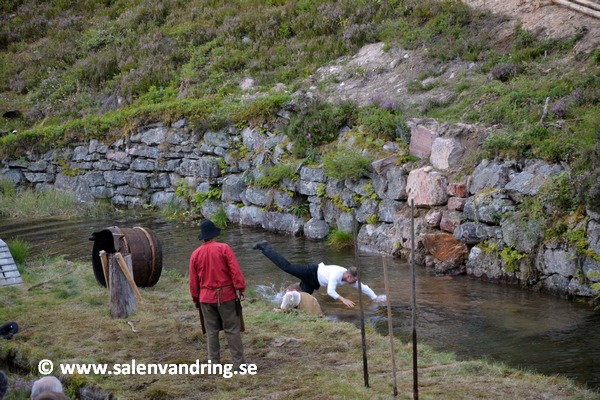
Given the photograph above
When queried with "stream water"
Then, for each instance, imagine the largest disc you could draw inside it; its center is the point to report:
(468, 317)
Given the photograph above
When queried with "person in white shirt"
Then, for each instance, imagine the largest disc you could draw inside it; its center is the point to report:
(313, 276)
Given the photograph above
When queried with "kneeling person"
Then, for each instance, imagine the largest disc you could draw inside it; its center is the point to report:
(302, 301)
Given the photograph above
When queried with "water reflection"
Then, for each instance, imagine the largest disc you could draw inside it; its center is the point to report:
(459, 314)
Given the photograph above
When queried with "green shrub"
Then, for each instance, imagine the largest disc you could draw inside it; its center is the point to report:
(511, 257)
(372, 219)
(382, 123)
(200, 198)
(271, 177)
(317, 124)
(301, 210)
(346, 164)
(220, 218)
(7, 189)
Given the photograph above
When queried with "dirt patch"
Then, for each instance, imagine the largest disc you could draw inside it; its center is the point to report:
(384, 77)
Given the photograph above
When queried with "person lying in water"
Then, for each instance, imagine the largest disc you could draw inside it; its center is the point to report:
(313, 276)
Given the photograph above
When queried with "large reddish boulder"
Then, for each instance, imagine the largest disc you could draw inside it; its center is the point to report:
(444, 247)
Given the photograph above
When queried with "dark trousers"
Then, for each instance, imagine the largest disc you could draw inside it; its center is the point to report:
(309, 282)
(223, 316)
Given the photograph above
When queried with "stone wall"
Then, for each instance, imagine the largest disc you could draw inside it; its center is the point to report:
(468, 226)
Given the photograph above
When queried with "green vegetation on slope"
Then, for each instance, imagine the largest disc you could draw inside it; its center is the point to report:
(143, 61)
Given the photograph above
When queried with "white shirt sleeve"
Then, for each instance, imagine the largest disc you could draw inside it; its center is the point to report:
(366, 290)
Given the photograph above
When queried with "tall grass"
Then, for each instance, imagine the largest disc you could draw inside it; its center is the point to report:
(19, 249)
(30, 203)
(338, 239)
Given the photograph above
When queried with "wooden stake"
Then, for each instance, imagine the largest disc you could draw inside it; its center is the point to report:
(122, 293)
(582, 9)
(104, 261)
(125, 270)
(414, 301)
(360, 303)
(390, 327)
(588, 3)
(52, 279)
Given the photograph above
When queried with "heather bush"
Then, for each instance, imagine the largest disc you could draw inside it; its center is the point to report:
(382, 123)
(317, 124)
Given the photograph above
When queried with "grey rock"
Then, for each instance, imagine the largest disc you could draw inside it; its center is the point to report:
(251, 215)
(282, 222)
(316, 229)
(522, 234)
(557, 259)
(115, 177)
(534, 175)
(313, 174)
(475, 232)
(258, 196)
(482, 265)
(490, 174)
(95, 178)
(141, 164)
(366, 210)
(388, 210)
(217, 139)
(556, 284)
(154, 136)
(232, 188)
(488, 206)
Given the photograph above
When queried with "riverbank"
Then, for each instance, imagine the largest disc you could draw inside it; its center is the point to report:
(67, 321)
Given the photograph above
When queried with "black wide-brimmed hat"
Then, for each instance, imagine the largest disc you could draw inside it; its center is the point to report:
(208, 230)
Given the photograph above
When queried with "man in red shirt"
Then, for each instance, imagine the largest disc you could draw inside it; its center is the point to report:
(215, 280)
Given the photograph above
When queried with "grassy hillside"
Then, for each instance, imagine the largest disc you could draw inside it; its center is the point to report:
(99, 68)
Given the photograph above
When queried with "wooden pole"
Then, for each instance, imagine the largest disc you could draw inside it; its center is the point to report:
(121, 294)
(577, 7)
(390, 327)
(414, 301)
(360, 303)
(51, 279)
(587, 3)
(104, 261)
(125, 267)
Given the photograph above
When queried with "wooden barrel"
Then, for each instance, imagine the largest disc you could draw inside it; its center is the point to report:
(141, 243)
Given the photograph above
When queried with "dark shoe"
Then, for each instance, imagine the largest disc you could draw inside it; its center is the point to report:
(260, 245)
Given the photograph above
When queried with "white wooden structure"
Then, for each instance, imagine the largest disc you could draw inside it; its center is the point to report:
(9, 274)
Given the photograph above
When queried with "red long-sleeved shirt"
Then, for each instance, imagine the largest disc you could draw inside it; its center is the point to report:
(214, 269)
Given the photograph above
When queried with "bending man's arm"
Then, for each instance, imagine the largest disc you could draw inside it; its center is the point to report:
(366, 290)
(331, 286)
